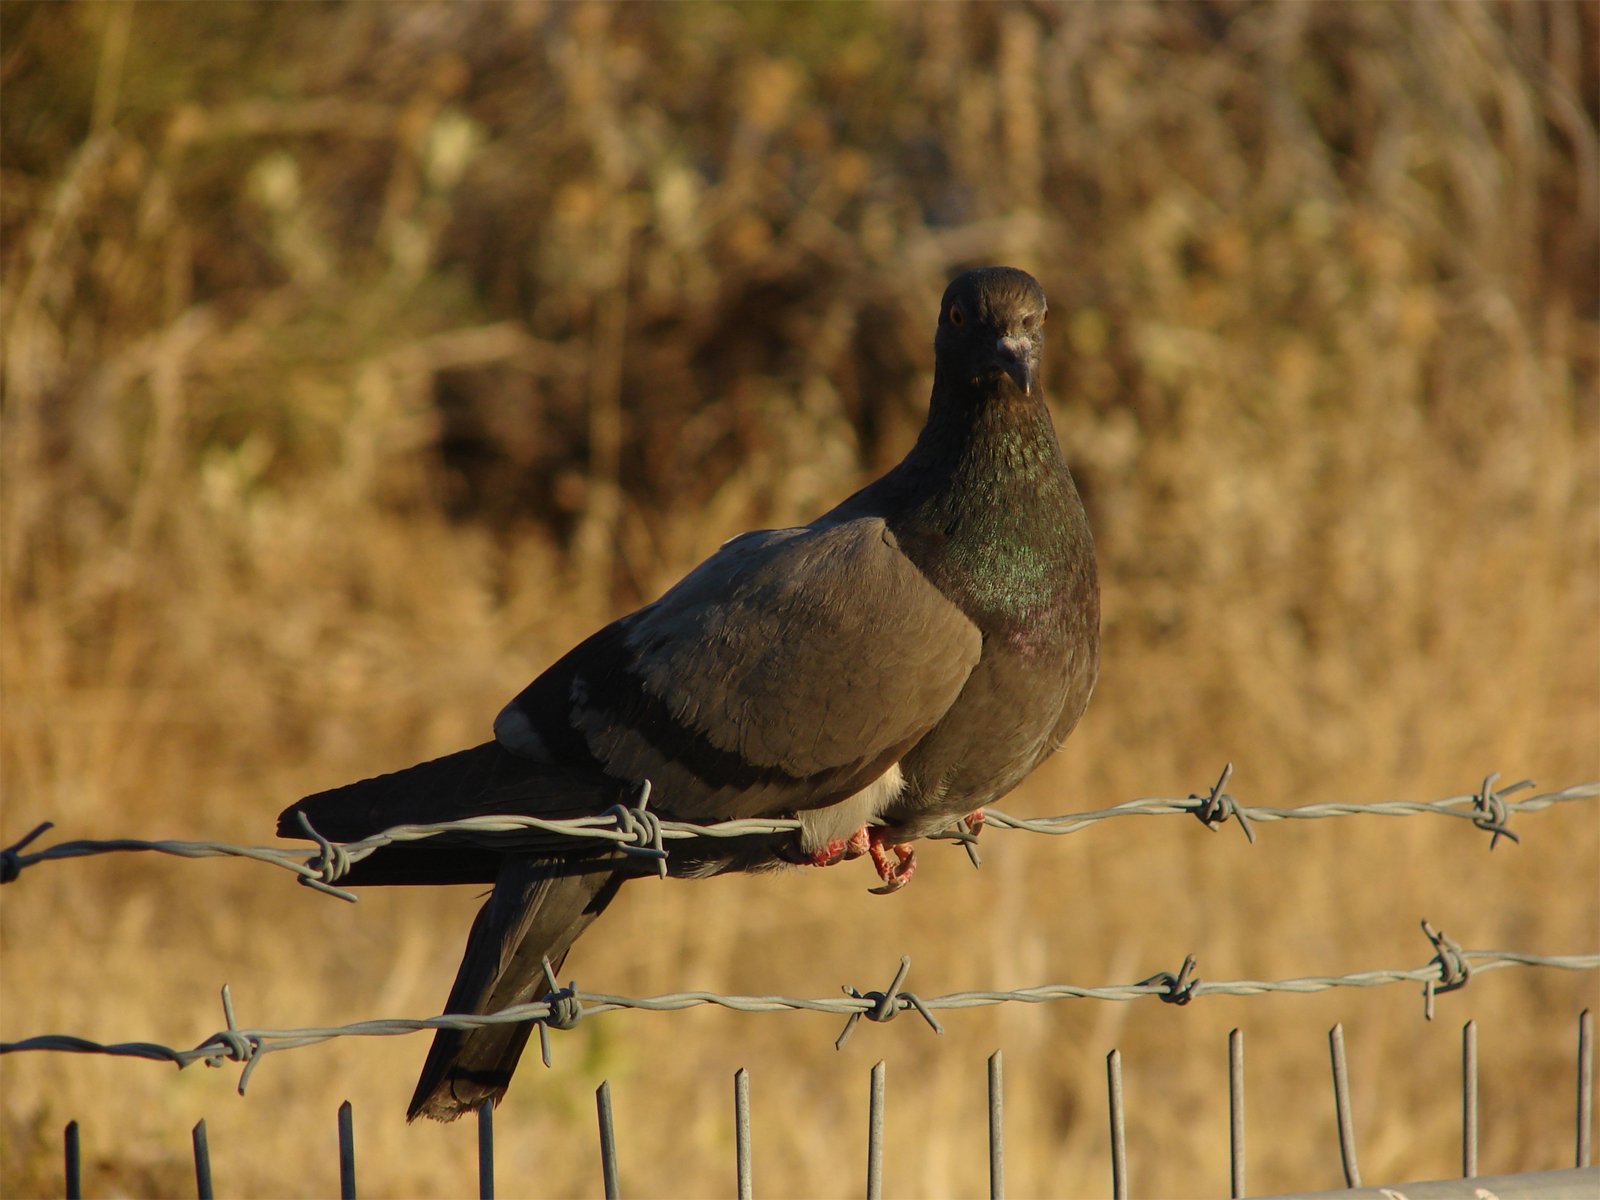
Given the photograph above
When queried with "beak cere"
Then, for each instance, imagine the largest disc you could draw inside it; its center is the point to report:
(1014, 354)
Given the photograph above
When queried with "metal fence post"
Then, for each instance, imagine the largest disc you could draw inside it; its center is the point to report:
(875, 1135)
(202, 1161)
(1341, 1106)
(608, 1140)
(1469, 1100)
(70, 1151)
(1585, 1154)
(1119, 1131)
(1236, 1113)
(997, 1132)
(486, 1150)
(741, 1132)
(347, 1152)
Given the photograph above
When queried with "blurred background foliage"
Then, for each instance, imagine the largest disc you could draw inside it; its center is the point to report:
(359, 358)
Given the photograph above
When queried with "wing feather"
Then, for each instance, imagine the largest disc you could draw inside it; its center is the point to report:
(787, 671)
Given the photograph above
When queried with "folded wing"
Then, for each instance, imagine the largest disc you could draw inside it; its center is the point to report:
(787, 672)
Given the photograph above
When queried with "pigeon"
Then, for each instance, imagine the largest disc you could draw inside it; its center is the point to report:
(905, 659)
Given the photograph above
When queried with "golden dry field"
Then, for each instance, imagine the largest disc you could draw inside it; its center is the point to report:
(358, 359)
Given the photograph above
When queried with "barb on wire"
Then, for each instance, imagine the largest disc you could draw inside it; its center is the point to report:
(643, 829)
(886, 1005)
(243, 1047)
(331, 862)
(642, 833)
(250, 1045)
(1454, 968)
(1176, 989)
(1216, 807)
(1486, 809)
(11, 863)
(566, 1010)
(1489, 808)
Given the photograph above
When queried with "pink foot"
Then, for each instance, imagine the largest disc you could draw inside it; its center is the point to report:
(827, 855)
(974, 821)
(840, 849)
(896, 874)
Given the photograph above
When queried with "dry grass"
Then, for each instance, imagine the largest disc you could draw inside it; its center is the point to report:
(359, 359)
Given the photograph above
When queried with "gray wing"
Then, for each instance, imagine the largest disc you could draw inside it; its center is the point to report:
(787, 671)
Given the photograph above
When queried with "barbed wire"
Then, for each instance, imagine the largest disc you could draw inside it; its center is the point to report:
(563, 1007)
(640, 833)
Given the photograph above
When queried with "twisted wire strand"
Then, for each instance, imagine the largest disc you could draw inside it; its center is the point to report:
(565, 1007)
(646, 833)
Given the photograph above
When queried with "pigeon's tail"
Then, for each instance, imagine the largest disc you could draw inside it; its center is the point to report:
(548, 887)
(538, 908)
(484, 781)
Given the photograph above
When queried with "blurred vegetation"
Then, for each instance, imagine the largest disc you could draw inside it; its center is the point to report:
(359, 358)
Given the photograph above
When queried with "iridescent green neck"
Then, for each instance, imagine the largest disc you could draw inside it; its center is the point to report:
(984, 504)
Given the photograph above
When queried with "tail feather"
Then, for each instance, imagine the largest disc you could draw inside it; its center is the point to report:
(547, 890)
(484, 780)
(538, 908)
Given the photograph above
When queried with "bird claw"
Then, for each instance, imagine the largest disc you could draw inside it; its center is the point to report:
(827, 855)
(840, 850)
(897, 874)
(895, 862)
(974, 820)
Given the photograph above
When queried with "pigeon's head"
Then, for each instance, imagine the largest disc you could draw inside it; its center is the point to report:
(991, 328)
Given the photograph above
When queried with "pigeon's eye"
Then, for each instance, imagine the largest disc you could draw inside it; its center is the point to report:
(957, 317)
(1032, 321)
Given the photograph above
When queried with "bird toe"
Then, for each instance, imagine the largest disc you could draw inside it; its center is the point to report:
(895, 873)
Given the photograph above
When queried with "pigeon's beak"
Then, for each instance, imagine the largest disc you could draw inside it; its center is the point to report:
(1015, 356)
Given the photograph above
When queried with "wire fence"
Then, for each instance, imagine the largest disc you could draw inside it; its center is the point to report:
(635, 829)
(563, 1007)
(641, 833)
(1582, 1179)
